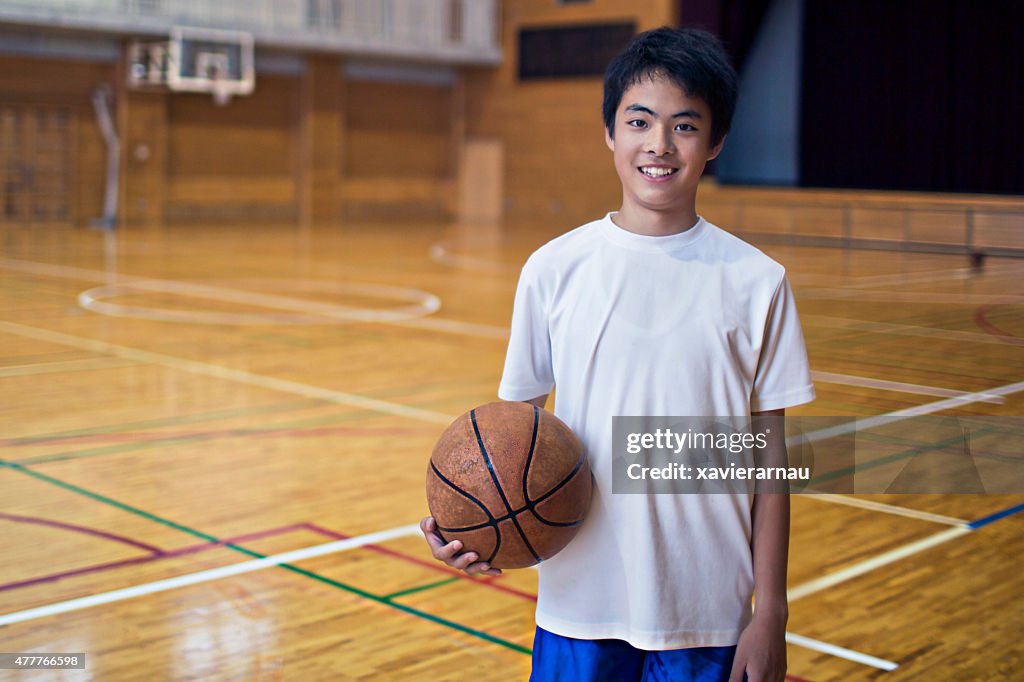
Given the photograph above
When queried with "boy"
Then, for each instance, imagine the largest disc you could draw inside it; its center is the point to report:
(654, 311)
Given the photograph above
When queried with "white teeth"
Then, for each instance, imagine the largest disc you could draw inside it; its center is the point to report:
(657, 172)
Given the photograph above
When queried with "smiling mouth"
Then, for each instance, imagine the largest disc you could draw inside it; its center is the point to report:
(657, 171)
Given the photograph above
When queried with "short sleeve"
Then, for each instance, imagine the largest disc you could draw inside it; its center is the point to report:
(783, 376)
(528, 369)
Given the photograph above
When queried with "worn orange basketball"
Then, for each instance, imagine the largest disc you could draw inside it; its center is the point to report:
(511, 481)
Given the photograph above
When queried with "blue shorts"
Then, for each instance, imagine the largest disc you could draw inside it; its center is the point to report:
(563, 659)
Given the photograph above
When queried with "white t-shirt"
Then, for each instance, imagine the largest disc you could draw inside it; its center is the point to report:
(697, 323)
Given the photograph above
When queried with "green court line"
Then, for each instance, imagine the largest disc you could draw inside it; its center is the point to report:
(108, 450)
(420, 588)
(465, 629)
(122, 506)
(410, 610)
(881, 461)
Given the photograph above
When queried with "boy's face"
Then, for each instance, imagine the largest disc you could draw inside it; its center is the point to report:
(661, 145)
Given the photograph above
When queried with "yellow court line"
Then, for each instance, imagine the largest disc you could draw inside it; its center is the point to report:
(64, 366)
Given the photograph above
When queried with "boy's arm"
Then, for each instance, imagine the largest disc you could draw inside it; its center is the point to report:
(540, 401)
(761, 651)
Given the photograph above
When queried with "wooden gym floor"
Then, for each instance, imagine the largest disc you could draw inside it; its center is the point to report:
(177, 401)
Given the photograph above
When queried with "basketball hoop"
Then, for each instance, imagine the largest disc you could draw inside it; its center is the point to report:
(216, 62)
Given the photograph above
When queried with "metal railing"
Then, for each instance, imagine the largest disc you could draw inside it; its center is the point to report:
(453, 31)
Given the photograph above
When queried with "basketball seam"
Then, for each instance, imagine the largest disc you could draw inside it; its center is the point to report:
(532, 504)
(497, 483)
(492, 522)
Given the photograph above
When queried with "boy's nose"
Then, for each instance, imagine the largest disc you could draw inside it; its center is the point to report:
(660, 143)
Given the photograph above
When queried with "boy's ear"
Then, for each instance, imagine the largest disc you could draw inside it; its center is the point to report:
(608, 139)
(716, 150)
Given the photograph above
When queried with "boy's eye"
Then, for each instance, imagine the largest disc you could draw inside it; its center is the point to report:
(637, 123)
(685, 127)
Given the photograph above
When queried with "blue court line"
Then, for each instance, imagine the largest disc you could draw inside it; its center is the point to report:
(992, 518)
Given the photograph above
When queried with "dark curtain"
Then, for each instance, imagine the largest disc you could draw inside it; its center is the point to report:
(913, 95)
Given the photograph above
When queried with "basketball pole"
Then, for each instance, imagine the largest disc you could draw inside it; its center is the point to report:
(101, 99)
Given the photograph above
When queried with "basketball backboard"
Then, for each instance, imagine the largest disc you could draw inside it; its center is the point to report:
(194, 60)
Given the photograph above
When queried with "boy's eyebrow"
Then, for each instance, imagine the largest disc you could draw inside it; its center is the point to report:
(687, 113)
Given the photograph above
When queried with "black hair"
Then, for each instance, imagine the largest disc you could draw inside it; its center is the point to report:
(691, 58)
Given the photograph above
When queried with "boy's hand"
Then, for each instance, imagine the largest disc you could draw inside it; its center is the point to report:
(761, 652)
(450, 553)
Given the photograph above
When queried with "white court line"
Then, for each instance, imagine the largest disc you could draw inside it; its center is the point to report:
(798, 592)
(893, 509)
(216, 371)
(441, 254)
(423, 303)
(864, 423)
(884, 559)
(319, 313)
(840, 652)
(930, 333)
(207, 576)
(320, 550)
(898, 386)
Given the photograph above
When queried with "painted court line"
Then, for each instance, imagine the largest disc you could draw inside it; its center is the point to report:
(840, 652)
(156, 554)
(898, 386)
(440, 253)
(884, 559)
(797, 640)
(207, 576)
(317, 312)
(177, 420)
(992, 518)
(63, 366)
(886, 508)
(866, 423)
(216, 371)
(931, 333)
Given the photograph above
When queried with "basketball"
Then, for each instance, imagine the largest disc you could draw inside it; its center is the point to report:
(511, 481)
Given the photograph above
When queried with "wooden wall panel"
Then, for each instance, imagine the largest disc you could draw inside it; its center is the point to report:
(398, 156)
(556, 163)
(66, 84)
(321, 136)
(252, 135)
(142, 125)
(222, 160)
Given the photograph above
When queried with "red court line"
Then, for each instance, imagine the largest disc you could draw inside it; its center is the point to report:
(157, 555)
(981, 319)
(80, 529)
(488, 581)
(433, 565)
